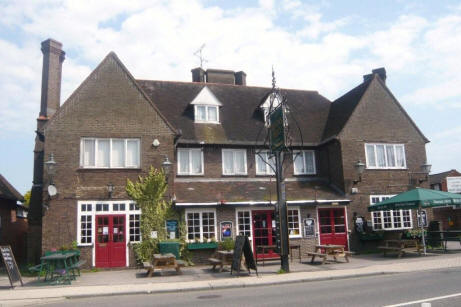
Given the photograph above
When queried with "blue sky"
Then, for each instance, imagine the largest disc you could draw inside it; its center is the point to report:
(316, 45)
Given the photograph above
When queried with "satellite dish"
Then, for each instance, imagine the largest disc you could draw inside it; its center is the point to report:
(52, 190)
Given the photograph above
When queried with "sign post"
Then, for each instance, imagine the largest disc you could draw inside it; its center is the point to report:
(277, 142)
(11, 266)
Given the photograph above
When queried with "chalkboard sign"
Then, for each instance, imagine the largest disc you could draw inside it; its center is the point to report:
(309, 227)
(10, 264)
(242, 245)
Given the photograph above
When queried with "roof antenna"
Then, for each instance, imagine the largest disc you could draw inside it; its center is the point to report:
(273, 78)
(199, 54)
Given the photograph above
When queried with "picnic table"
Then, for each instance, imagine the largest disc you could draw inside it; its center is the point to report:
(329, 250)
(400, 246)
(264, 249)
(162, 262)
(63, 265)
(442, 237)
(221, 258)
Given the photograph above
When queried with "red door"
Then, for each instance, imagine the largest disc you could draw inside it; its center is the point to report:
(264, 233)
(110, 241)
(332, 226)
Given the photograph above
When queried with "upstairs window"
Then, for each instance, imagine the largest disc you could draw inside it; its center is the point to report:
(109, 153)
(206, 114)
(385, 156)
(265, 163)
(304, 162)
(206, 107)
(190, 161)
(234, 161)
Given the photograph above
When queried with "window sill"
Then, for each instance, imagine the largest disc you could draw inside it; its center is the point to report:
(235, 175)
(189, 175)
(386, 169)
(107, 169)
(296, 237)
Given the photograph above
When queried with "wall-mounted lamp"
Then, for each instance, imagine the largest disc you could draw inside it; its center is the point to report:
(425, 170)
(166, 167)
(110, 189)
(155, 143)
(359, 168)
(50, 166)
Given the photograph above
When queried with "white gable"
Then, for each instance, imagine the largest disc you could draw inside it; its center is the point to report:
(267, 103)
(206, 97)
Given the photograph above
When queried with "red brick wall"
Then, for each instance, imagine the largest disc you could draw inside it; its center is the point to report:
(13, 229)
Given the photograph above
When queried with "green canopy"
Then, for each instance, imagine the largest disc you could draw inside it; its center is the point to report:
(418, 198)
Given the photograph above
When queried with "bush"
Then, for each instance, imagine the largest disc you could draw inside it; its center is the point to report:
(227, 244)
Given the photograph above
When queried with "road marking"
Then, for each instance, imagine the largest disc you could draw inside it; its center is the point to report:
(425, 300)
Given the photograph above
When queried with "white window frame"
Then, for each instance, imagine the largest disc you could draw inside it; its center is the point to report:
(237, 225)
(297, 154)
(380, 215)
(385, 156)
(300, 234)
(233, 157)
(93, 213)
(264, 155)
(96, 140)
(200, 212)
(189, 150)
(207, 120)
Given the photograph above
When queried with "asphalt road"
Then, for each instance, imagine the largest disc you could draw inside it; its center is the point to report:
(378, 290)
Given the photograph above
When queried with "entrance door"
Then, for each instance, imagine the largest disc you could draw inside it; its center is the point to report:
(332, 224)
(110, 241)
(264, 233)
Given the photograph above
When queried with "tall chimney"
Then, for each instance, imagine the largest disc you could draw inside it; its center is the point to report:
(53, 56)
(240, 78)
(381, 72)
(198, 75)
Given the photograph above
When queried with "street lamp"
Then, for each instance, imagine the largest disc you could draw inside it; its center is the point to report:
(359, 168)
(166, 167)
(425, 169)
(110, 189)
(50, 166)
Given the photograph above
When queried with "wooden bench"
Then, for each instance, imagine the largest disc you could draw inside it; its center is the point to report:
(320, 255)
(162, 262)
(149, 267)
(400, 246)
(214, 262)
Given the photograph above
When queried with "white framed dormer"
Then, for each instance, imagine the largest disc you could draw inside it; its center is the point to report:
(206, 107)
(266, 107)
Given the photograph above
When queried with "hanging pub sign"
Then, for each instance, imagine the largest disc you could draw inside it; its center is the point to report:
(276, 130)
(422, 218)
(172, 229)
(309, 227)
(226, 230)
(11, 267)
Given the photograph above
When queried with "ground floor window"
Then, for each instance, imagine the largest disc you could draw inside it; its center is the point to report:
(244, 223)
(390, 219)
(201, 225)
(294, 226)
(86, 219)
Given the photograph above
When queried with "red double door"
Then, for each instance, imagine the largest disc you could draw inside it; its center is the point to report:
(333, 226)
(110, 241)
(264, 233)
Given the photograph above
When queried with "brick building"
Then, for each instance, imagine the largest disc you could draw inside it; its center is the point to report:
(449, 181)
(13, 220)
(113, 127)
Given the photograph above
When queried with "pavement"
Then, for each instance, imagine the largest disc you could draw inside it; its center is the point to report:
(134, 281)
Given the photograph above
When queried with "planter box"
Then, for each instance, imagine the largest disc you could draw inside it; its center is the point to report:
(209, 245)
(371, 236)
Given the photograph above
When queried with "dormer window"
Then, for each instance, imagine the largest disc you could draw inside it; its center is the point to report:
(266, 107)
(206, 114)
(206, 107)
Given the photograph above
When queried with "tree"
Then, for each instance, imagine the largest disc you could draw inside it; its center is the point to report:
(26, 201)
(148, 193)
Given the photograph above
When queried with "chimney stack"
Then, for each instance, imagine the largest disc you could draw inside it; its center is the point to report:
(53, 56)
(240, 78)
(198, 74)
(381, 72)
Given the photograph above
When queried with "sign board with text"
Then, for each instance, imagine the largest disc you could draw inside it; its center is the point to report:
(11, 267)
(454, 184)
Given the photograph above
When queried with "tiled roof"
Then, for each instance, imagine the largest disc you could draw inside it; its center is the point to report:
(241, 120)
(438, 178)
(190, 192)
(7, 191)
(341, 109)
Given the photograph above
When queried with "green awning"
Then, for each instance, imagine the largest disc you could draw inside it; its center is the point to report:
(413, 199)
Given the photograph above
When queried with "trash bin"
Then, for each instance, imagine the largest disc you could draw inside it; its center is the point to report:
(169, 247)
